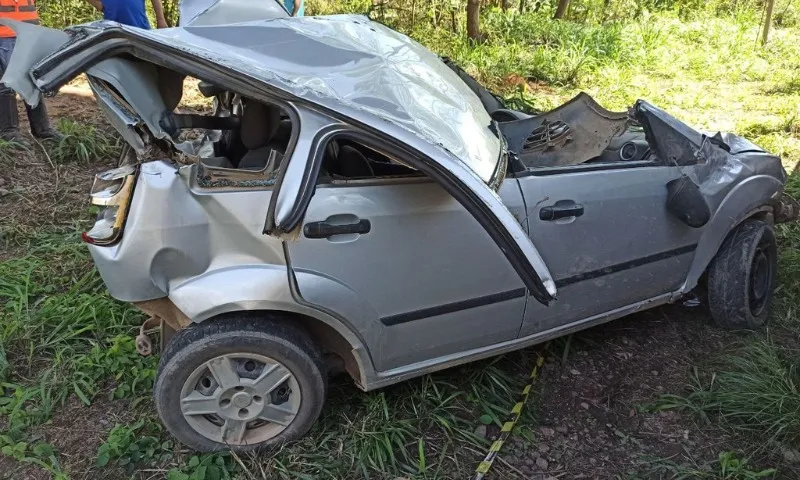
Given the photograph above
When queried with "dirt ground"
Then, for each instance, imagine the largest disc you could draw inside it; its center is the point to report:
(34, 190)
(594, 410)
(593, 420)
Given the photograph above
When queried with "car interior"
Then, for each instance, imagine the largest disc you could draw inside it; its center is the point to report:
(576, 133)
(252, 136)
(255, 136)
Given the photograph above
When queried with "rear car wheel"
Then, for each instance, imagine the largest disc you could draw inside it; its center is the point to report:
(741, 278)
(241, 383)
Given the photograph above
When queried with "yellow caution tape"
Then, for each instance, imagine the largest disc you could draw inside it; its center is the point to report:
(505, 431)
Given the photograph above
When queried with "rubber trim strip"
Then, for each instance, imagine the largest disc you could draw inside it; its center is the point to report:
(453, 307)
(520, 292)
(619, 267)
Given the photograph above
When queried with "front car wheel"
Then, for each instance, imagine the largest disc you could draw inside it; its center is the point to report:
(741, 277)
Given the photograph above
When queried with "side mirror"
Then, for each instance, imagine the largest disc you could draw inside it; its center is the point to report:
(686, 202)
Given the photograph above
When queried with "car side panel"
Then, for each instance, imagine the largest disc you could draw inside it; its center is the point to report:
(623, 249)
(750, 194)
(437, 282)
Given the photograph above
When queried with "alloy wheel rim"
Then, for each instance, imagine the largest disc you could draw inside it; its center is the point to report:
(240, 399)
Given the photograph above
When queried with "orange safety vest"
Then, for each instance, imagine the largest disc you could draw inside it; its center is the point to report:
(21, 10)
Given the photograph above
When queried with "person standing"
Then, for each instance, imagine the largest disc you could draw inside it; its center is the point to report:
(295, 7)
(130, 12)
(23, 11)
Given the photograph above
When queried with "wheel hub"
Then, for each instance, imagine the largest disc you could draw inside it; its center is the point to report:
(242, 400)
(231, 399)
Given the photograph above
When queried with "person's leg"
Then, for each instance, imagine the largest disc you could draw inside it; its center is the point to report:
(40, 122)
(9, 118)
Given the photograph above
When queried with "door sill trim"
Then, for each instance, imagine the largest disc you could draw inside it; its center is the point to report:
(400, 374)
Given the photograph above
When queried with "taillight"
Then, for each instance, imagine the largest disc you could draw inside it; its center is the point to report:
(112, 189)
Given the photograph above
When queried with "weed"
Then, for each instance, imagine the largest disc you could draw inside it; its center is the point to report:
(9, 151)
(40, 454)
(205, 467)
(757, 389)
(728, 466)
(82, 143)
(133, 445)
(60, 333)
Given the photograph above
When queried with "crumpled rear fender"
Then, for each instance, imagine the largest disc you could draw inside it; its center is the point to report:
(267, 287)
(749, 196)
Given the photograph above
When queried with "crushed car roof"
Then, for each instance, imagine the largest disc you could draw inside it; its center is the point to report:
(218, 12)
(348, 60)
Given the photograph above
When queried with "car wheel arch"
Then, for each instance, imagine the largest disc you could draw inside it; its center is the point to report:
(751, 198)
(342, 353)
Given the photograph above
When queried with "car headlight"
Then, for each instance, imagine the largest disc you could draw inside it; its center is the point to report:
(112, 190)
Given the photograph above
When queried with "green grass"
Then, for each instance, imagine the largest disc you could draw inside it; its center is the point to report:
(60, 334)
(10, 150)
(728, 466)
(82, 143)
(62, 337)
(755, 389)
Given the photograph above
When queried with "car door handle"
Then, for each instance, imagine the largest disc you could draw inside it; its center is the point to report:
(561, 209)
(325, 229)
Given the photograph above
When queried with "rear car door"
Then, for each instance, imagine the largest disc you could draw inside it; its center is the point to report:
(432, 282)
(607, 236)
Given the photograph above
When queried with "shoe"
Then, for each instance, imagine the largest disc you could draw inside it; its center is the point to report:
(40, 123)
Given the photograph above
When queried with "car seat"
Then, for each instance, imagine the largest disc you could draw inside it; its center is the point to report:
(258, 127)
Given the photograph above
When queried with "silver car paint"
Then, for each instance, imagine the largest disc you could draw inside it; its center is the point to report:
(424, 251)
(225, 12)
(119, 116)
(347, 63)
(196, 245)
(374, 47)
(33, 44)
(591, 256)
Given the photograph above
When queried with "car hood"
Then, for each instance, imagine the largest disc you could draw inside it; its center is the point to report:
(345, 63)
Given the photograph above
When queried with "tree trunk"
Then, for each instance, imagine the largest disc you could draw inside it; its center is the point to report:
(561, 10)
(768, 21)
(504, 4)
(521, 6)
(473, 19)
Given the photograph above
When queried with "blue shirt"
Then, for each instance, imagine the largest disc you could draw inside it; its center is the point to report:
(289, 4)
(127, 12)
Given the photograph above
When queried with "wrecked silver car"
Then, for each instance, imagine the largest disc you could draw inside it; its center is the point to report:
(355, 203)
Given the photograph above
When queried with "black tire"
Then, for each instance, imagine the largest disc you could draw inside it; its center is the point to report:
(231, 335)
(741, 277)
